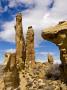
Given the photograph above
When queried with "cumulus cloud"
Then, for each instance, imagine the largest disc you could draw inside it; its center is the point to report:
(5, 5)
(40, 17)
(44, 13)
(9, 32)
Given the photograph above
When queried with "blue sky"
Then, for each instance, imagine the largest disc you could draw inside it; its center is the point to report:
(38, 13)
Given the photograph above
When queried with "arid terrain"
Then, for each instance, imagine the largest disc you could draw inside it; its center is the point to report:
(21, 71)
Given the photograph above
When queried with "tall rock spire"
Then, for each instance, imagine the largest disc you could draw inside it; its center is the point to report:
(30, 53)
(20, 42)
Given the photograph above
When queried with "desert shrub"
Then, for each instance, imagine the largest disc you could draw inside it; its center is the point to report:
(53, 72)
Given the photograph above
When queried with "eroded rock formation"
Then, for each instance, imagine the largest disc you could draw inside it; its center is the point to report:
(58, 35)
(35, 76)
(30, 53)
(16, 61)
(11, 76)
(20, 43)
(50, 59)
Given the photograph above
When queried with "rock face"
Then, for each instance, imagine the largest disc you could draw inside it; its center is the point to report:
(50, 59)
(58, 35)
(30, 53)
(11, 77)
(20, 43)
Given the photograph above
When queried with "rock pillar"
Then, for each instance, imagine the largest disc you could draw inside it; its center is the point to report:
(30, 53)
(50, 59)
(20, 43)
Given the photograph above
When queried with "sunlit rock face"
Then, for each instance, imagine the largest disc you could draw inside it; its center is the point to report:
(11, 76)
(30, 53)
(20, 42)
(58, 35)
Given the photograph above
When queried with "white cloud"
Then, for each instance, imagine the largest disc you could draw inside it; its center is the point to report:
(10, 50)
(45, 53)
(9, 32)
(14, 3)
(39, 17)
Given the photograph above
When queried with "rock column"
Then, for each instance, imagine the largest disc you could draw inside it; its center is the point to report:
(20, 43)
(50, 59)
(30, 53)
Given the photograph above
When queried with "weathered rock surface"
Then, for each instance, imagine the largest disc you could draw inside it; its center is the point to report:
(1, 77)
(21, 72)
(11, 76)
(37, 80)
(20, 43)
(30, 53)
(40, 81)
(58, 35)
(50, 59)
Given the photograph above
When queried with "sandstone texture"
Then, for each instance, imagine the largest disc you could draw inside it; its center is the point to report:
(20, 42)
(58, 35)
(30, 53)
(11, 76)
(20, 71)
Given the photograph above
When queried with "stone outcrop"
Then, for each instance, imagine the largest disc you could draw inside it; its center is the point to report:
(21, 72)
(20, 43)
(50, 59)
(58, 35)
(30, 53)
(11, 76)
(16, 61)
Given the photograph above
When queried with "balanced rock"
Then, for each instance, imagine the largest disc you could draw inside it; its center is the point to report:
(58, 35)
(30, 53)
(20, 43)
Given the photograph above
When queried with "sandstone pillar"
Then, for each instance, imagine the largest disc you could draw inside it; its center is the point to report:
(20, 43)
(50, 59)
(30, 53)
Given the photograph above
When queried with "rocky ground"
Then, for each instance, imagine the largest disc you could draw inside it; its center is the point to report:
(1, 77)
(43, 76)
